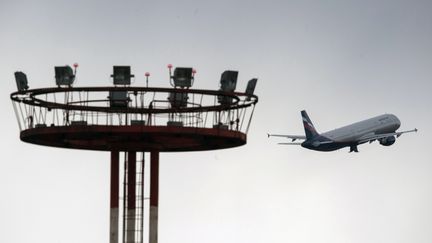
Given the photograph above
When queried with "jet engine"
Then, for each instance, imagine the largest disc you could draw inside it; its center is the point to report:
(387, 141)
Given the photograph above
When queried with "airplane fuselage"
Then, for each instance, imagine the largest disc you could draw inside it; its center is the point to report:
(353, 134)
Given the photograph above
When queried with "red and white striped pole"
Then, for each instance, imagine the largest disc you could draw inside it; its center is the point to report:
(154, 196)
(131, 198)
(114, 198)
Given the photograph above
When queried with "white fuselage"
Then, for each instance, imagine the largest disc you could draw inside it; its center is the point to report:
(386, 123)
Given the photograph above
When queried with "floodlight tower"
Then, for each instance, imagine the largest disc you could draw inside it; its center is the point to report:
(131, 121)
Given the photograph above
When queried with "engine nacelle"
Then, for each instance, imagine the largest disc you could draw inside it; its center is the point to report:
(387, 141)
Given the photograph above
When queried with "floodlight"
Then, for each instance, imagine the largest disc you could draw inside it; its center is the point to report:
(250, 88)
(122, 75)
(64, 75)
(118, 99)
(21, 81)
(183, 77)
(228, 81)
(178, 100)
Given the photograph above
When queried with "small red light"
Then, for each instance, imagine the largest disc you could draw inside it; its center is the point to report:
(170, 66)
(75, 65)
(194, 71)
(147, 74)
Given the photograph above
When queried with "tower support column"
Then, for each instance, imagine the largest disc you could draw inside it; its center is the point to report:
(114, 197)
(131, 198)
(154, 196)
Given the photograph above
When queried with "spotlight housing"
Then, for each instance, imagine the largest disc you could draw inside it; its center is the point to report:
(64, 75)
(228, 81)
(122, 75)
(183, 77)
(250, 88)
(21, 81)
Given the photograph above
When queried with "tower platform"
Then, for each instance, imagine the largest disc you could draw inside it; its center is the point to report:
(135, 138)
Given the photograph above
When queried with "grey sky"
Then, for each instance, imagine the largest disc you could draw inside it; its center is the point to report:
(343, 61)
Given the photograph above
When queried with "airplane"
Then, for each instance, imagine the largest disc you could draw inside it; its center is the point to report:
(380, 128)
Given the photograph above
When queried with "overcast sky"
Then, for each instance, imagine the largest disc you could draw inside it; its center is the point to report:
(342, 61)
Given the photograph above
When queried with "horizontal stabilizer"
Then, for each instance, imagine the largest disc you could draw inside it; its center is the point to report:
(293, 137)
(289, 143)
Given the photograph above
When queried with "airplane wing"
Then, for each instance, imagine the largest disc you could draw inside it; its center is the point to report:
(374, 137)
(292, 137)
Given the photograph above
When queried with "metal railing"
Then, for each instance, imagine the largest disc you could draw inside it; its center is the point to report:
(146, 106)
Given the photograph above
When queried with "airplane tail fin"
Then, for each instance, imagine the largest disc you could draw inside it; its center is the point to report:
(308, 126)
